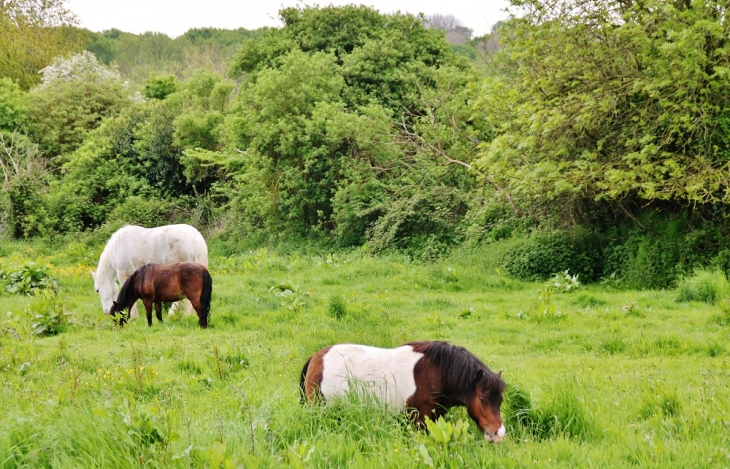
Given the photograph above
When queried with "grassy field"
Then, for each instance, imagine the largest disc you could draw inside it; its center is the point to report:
(598, 377)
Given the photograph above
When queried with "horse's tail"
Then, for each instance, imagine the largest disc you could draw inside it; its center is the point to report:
(205, 296)
(302, 380)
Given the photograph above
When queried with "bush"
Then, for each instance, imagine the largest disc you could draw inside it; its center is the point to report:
(28, 279)
(159, 87)
(545, 254)
(644, 260)
(676, 245)
(76, 96)
(25, 177)
(46, 314)
(13, 105)
(708, 286)
(143, 211)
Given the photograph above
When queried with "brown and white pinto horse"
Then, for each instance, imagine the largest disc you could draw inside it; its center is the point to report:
(426, 377)
(155, 284)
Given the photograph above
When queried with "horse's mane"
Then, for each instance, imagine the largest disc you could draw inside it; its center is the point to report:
(127, 294)
(459, 367)
(104, 260)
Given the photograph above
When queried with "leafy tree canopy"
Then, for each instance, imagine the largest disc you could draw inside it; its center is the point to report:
(13, 106)
(380, 54)
(612, 100)
(318, 125)
(32, 32)
(76, 94)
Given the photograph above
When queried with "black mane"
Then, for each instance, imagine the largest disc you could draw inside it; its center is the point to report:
(127, 294)
(124, 299)
(459, 368)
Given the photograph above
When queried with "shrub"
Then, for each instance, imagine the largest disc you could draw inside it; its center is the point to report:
(159, 87)
(28, 279)
(25, 176)
(143, 211)
(644, 260)
(77, 94)
(545, 254)
(675, 246)
(13, 105)
(46, 314)
(708, 286)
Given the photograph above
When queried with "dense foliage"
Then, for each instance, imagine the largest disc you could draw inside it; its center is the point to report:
(613, 111)
(138, 55)
(615, 100)
(329, 105)
(595, 132)
(32, 33)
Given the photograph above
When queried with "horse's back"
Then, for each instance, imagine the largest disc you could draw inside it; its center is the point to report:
(135, 246)
(385, 373)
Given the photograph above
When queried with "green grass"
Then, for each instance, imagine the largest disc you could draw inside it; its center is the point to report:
(709, 286)
(605, 378)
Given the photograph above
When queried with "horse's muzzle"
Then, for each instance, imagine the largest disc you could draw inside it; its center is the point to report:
(497, 436)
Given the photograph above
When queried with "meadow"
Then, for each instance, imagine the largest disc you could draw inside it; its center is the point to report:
(599, 376)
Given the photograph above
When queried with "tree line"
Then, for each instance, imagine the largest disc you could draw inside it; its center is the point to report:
(596, 131)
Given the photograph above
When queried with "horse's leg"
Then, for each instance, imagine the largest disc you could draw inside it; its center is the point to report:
(158, 310)
(427, 409)
(148, 307)
(178, 306)
(195, 304)
(189, 308)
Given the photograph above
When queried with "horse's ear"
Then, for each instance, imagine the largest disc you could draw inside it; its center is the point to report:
(479, 375)
(93, 274)
(500, 373)
(114, 303)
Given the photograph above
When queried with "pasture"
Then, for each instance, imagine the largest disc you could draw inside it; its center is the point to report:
(598, 377)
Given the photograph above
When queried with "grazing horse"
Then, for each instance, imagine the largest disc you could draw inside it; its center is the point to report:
(426, 377)
(155, 284)
(131, 247)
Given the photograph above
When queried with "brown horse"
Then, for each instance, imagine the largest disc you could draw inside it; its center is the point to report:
(426, 377)
(155, 284)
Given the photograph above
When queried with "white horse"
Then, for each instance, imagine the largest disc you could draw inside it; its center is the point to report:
(132, 246)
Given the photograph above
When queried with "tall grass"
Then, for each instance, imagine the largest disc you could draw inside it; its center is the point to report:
(600, 387)
(707, 286)
(560, 414)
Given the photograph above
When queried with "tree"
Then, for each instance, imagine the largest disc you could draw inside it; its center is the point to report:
(159, 87)
(13, 106)
(383, 56)
(24, 180)
(609, 102)
(32, 32)
(76, 94)
(317, 129)
(449, 24)
(133, 167)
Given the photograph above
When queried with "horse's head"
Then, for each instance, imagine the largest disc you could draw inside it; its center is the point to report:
(107, 289)
(484, 404)
(113, 313)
